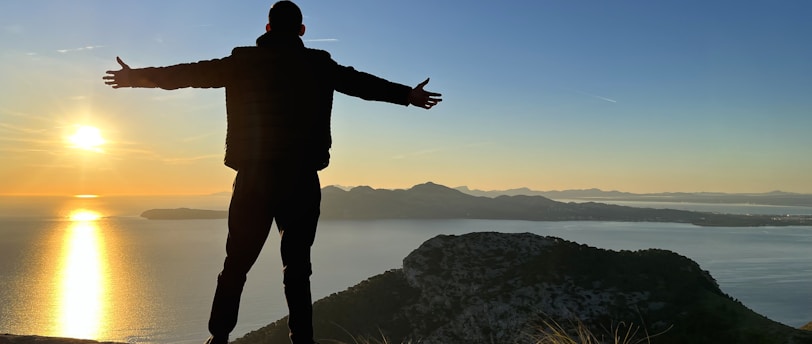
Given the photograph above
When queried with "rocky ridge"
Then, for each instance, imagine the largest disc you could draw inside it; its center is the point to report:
(499, 288)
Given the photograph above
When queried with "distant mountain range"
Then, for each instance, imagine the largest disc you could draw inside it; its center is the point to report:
(767, 198)
(780, 198)
(433, 201)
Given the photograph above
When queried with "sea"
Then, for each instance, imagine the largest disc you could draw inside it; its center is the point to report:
(91, 267)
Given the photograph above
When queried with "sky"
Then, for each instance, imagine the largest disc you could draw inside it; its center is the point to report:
(636, 96)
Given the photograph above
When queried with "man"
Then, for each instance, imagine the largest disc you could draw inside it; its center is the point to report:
(278, 100)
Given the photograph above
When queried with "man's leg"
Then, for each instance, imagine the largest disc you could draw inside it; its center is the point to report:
(297, 220)
(249, 222)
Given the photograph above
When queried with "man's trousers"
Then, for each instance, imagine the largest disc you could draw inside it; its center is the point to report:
(262, 194)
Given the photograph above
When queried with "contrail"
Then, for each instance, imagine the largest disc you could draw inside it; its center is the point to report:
(322, 40)
(596, 96)
(606, 99)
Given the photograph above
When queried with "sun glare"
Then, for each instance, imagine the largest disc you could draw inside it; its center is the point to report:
(84, 282)
(84, 216)
(87, 138)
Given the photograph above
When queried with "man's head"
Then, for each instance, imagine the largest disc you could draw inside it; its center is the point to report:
(285, 18)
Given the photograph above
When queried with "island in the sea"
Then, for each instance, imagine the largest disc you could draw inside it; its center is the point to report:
(433, 201)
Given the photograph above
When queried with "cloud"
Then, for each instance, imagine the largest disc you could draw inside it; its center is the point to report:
(129, 151)
(322, 40)
(15, 113)
(71, 50)
(596, 96)
(186, 160)
(198, 137)
(19, 129)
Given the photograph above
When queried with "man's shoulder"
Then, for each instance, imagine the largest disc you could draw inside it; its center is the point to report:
(246, 50)
(317, 53)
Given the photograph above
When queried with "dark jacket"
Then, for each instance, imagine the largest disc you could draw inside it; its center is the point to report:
(279, 96)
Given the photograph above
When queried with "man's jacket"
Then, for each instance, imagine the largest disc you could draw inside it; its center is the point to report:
(279, 96)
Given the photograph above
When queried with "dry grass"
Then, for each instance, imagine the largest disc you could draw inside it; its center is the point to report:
(551, 332)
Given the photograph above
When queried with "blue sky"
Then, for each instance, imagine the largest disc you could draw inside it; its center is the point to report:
(640, 96)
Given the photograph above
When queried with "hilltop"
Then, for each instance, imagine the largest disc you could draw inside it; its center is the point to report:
(500, 288)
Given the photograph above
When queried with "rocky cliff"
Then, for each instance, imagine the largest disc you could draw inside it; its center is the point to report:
(507, 288)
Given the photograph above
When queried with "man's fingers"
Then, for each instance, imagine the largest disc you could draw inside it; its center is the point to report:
(120, 62)
(422, 98)
(420, 85)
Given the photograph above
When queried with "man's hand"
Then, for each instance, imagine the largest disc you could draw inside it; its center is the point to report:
(119, 78)
(422, 98)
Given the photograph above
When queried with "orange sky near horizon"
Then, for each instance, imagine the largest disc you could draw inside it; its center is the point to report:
(552, 95)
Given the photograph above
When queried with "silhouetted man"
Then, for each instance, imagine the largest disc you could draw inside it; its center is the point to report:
(278, 99)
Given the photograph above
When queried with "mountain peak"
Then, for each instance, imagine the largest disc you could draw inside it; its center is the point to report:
(434, 188)
(431, 185)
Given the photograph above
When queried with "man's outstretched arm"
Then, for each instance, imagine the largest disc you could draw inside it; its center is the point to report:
(370, 87)
(422, 98)
(201, 74)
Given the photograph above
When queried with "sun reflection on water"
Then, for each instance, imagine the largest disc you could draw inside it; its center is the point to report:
(83, 216)
(84, 285)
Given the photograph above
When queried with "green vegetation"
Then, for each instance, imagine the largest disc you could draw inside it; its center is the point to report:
(517, 288)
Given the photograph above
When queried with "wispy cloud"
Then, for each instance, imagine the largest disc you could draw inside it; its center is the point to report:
(596, 96)
(190, 159)
(26, 115)
(198, 137)
(71, 50)
(322, 40)
(122, 150)
(16, 128)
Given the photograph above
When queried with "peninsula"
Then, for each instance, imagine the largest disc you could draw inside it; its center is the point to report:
(434, 201)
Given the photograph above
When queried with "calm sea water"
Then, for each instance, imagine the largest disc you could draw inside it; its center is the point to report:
(134, 280)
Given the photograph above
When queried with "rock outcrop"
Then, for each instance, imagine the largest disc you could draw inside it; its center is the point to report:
(507, 288)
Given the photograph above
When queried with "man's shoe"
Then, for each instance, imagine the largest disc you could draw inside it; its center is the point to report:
(217, 340)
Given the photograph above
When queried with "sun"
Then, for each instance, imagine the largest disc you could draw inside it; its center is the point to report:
(87, 138)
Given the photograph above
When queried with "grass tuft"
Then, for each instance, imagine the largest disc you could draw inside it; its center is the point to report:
(551, 332)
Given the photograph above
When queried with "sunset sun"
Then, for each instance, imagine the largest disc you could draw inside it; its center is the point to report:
(87, 138)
